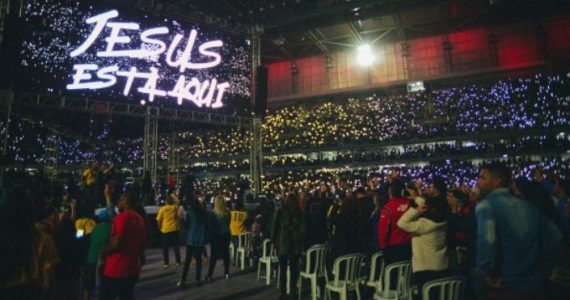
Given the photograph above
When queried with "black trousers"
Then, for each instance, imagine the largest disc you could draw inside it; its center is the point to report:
(423, 277)
(220, 248)
(170, 240)
(196, 253)
(397, 254)
(111, 288)
(293, 262)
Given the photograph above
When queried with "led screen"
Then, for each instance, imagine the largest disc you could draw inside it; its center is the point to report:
(123, 54)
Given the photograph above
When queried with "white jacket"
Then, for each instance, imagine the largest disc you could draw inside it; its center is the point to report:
(429, 244)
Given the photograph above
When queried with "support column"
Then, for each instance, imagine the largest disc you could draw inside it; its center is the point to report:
(448, 55)
(173, 156)
(406, 58)
(256, 139)
(294, 78)
(493, 49)
(256, 157)
(328, 71)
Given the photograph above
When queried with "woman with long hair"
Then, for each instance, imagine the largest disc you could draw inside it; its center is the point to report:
(196, 221)
(219, 230)
(288, 235)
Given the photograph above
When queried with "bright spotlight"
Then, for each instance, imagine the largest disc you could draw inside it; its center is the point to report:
(365, 56)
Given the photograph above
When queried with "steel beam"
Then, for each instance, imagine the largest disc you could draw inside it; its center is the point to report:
(128, 109)
(318, 42)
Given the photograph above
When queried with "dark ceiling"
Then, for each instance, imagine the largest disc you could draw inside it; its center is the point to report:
(300, 28)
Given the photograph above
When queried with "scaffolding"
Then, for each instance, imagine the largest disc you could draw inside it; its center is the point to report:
(77, 104)
(256, 158)
(173, 156)
(5, 98)
(51, 155)
(256, 137)
(150, 143)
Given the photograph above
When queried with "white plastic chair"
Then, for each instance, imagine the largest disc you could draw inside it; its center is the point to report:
(243, 247)
(350, 264)
(403, 273)
(449, 288)
(268, 258)
(376, 270)
(315, 267)
(288, 278)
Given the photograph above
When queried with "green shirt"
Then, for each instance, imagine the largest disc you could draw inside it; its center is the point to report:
(98, 241)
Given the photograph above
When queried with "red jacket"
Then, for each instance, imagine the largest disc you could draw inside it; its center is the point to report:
(389, 234)
(170, 182)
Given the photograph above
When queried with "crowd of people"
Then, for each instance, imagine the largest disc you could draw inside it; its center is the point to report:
(526, 145)
(447, 214)
(537, 102)
(444, 225)
(455, 172)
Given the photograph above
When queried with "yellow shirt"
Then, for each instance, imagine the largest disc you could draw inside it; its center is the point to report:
(237, 222)
(167, 218)
(86, 224)
(88, 176)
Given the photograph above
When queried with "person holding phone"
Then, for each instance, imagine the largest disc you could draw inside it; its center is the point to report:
(99, 239)
(425, 220)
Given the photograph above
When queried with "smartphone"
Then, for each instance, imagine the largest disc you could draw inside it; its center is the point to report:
(79, 234)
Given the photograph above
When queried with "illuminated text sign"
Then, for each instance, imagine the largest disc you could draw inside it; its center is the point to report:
(153, 47)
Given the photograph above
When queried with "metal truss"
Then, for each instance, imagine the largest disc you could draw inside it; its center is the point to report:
(151, 114)
(173, 156)
(256, 157)
(7, 99)
(150, 144)
(175, 10)
(51, 156)
(127, 109)
(256, 137)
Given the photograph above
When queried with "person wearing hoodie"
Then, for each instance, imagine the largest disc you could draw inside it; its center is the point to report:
(426, 222)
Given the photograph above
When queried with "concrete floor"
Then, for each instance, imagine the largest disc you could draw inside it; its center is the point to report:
(159, 283)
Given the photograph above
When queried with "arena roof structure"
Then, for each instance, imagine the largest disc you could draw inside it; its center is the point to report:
(300, 28)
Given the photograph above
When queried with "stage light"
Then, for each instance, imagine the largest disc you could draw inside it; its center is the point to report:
(365, 57)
